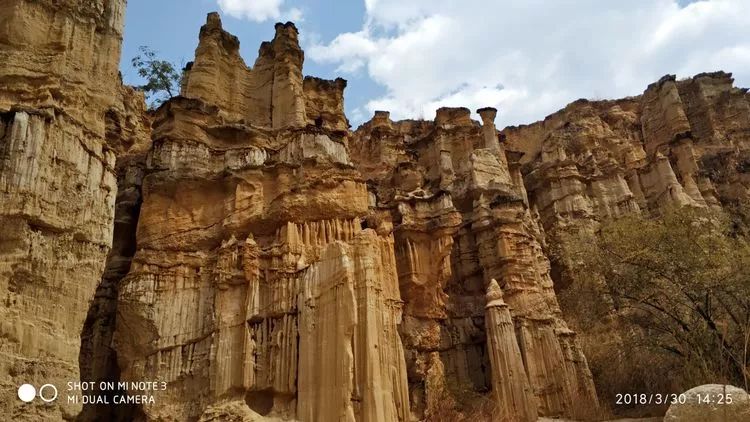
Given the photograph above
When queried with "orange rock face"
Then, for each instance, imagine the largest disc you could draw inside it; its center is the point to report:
(681, 142)
(254, 281)
(64, 116)
(301, 271)
(457, 208)
(244, 246)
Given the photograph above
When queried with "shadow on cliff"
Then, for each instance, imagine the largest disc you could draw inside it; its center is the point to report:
(97, 358)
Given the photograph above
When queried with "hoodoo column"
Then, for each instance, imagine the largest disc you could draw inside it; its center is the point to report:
(510, 384)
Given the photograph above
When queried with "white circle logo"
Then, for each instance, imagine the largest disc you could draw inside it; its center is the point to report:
(48, 386)
(26, 393)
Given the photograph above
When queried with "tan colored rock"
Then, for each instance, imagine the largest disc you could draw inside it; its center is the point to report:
(254, 283)
(324, 103)
(457, 225)
(129, 134)
(711, 403)
(59, 86)
(488, 115)
(596, 160)
(510, 384)
(269, 264)
(664, 119)
(450, 117)
(352, 366)
(234, 412)
(680, 143)
(272, 94)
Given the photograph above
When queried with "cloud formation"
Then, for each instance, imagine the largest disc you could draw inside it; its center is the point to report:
(259, 10)
(530, 58)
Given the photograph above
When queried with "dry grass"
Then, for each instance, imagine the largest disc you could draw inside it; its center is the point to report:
(462, 404)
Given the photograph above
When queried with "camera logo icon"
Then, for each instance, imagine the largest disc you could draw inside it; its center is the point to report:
(47, 393)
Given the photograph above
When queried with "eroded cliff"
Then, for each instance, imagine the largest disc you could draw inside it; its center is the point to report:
(254, 285)
(59, 89)
(243, 245)
(291, 268)
(680, 143)
(453, 197)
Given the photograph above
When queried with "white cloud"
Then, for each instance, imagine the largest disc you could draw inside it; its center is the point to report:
(530, 58)
(259, 10)
(294, 14)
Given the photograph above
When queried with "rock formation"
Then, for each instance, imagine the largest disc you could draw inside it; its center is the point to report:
(510, 384)
(254, 282)
(129, 135)
(681, 142)
(243, 245)
(59, 90)
(454, 199)
(272, 268)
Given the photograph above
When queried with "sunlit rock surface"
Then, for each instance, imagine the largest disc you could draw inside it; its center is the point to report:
(59, 94)
(243, 245)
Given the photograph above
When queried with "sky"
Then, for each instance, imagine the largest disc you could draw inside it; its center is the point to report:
(528, 58)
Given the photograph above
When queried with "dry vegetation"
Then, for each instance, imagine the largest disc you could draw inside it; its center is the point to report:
(661, 304)
(462, 404)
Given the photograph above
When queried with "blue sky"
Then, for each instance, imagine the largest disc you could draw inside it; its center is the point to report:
(528, 58)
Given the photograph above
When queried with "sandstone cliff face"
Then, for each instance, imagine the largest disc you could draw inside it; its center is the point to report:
(455, 202)
(510, 383)
(129, 135)
(286, 267)
(680, 143)
(58, 84)
(271, 94)
(268, 263)
(640, 153)
(254, 283)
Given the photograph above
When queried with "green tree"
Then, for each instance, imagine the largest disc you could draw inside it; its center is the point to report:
(162, 77)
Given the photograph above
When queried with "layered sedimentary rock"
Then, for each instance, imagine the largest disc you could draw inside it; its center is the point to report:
(272, 268)
(350, 307)
(680, 143)
(510, 385)
(269, 263)
(271, 94)
(255, 289)
(58, 85)
(129, 135)
(454, 199)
